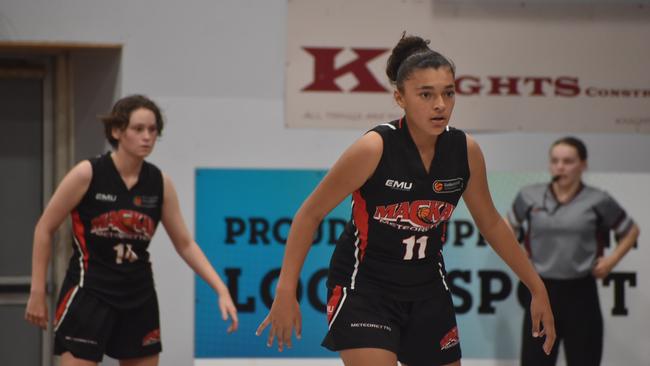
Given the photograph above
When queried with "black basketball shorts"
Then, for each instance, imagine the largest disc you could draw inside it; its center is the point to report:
(88, 327)
(420, 333)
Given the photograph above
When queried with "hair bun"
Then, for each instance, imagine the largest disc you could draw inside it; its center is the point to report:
(406, 46)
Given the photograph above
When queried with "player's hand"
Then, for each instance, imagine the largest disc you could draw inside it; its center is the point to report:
(284, 318)
(228, 310)
(36, 310)
(540, 311)
(603, 266)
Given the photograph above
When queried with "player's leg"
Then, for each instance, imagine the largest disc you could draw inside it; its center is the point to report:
(363, 328)
(583, 341)
(368, 356)
(82, 326)
(430, 335)
(67, 359)
(135, 339)
(532, 353)
(141, 361)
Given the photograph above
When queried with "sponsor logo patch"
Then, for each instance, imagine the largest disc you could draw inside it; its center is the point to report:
(145, 201)
(448, 185)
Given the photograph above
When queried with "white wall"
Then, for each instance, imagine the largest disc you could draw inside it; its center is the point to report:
(217, 70)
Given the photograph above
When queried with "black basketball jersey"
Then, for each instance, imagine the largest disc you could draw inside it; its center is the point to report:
(393, 242)
(112, 228)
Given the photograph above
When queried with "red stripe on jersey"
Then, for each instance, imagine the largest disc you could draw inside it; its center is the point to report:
(400, 122)
(334, 302)
(62, 305)
(78, 232)
(360, 215)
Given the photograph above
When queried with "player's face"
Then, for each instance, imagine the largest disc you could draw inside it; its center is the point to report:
(428, 99)
(139, 137)
(566, 164)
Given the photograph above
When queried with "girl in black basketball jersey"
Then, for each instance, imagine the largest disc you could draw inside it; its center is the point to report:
(108, 303)
(388, 300)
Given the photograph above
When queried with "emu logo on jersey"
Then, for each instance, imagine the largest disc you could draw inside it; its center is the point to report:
(402, 186)
(106, 197)
(448, 185)
(450, 339)
(123, 224)
(420, 216)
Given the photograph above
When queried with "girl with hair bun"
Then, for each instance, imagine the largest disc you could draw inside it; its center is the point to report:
(388, 298)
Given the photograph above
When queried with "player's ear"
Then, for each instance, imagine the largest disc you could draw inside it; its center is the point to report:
(398, 98)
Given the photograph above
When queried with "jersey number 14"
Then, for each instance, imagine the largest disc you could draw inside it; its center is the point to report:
(124, 252)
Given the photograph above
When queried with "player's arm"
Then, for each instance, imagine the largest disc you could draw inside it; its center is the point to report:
(66, 197)
(501, 238)
(604, 265)
(350, 172)
(189, 250)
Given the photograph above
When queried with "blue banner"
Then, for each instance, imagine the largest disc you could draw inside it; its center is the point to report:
(242, 221)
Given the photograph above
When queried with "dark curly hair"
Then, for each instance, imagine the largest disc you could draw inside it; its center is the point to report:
(121, 113)
(413, 53)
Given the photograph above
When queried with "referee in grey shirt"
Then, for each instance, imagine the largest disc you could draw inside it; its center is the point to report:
(566, 226)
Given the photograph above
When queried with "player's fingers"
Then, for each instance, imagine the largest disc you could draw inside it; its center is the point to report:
(262, 326)
(271, 337)
(535, 318)
(549, 329)
(280, 335)
(298, 327)
(43, 324)
(235, 321)
(224, 312)
(287, 337)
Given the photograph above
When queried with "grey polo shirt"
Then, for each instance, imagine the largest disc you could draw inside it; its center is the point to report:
(563, 240)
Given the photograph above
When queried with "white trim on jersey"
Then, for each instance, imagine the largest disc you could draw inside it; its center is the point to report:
(624, 226)
(81, 262)
(345, 294)
(356, 260)
(356, 250)
(389, 125)
(67, 305)
(442, 276)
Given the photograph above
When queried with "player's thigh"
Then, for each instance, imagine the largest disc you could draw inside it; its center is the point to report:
(368, 356)
(142, 361)
(67, 359)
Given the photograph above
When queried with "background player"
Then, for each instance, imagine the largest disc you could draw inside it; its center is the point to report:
(107, 302)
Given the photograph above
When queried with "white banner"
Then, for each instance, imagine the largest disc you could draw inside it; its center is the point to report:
(529, 68)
